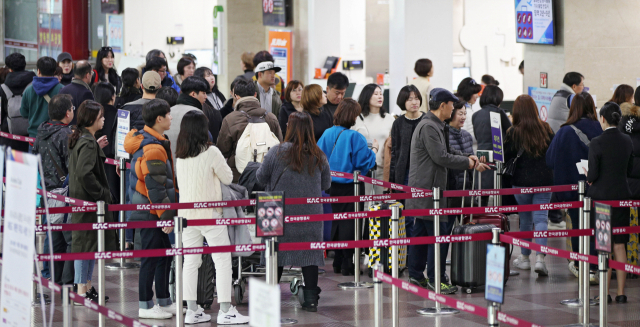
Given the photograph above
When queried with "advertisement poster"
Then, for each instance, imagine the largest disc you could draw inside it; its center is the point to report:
(218, 22)
(534, 21)
(121, 133)
(19, 239)
(115, 27)
(496, 136)
(273, 13)
(270, 214)
(542, 97)
(280, 47)
(264, 304)
(603, 227)
(494, 288)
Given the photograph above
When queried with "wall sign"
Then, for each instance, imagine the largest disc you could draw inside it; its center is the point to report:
(273, 13)
(280, 47)
(542, 97)
(603, 227)
(543, 80)
(270, 214)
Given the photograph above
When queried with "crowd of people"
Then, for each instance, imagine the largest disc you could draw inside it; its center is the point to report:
(188, 142)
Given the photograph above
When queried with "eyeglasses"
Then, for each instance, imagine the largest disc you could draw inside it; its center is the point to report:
(73, 108)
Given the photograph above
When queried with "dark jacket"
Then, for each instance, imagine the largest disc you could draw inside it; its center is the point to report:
(530, 171)
(121, 101)
(431, 160)
(152, 156)
(321, 122)
(609, 166)
(565, 151)
(283, 117)
(332, 107)
(80, 92)
(630, 125)
(401, 134)
(227, 108)
(66, 78)
(17, 83)
(88, 181)
(482, 129)
(462, 141)
(109, 129)
(52, 144)
(34, 106)
(215, 119)
(135, 117)
(112, 75)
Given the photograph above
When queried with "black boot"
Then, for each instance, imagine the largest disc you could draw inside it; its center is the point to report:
(311, 300)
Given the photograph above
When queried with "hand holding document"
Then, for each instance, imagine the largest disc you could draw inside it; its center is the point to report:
(583, 167)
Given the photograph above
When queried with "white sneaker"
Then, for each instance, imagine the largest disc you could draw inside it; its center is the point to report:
(522, 262)
(573, 269)
(172, 309)
(541, 268)
(232, 317)
(154, 313)
(195, 317)
(557, 226)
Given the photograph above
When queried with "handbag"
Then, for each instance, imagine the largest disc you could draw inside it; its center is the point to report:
(510, 167)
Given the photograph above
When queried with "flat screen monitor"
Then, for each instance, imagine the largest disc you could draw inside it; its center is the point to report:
(534, 22)
(458, 75)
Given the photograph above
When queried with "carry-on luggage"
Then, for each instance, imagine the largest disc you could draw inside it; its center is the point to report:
(380, 228)
(468, 259)
(206, 286)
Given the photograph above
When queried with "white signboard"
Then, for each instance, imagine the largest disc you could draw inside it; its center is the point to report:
(121, 133)
(264, 304)
(19, 239)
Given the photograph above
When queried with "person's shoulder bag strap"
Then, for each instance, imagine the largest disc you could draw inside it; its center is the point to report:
(47, 97)
(62, 175)
(282, 173)
(336, 142)
(581, 135)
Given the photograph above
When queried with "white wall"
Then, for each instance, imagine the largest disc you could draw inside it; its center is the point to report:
(324, 33)
(419, 29)
(352, 36)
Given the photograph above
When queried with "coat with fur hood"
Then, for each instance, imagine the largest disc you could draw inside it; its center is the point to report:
(630, 125)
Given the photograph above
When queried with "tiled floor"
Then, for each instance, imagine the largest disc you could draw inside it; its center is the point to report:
(527, 297)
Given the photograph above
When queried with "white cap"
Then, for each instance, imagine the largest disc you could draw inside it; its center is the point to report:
(266, 65)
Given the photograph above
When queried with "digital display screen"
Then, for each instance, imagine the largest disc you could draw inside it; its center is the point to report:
(534, 22)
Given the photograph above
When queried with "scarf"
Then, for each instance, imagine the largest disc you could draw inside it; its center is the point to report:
(189, 101)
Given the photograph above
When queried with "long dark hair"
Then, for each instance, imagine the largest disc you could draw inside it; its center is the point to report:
(622, 94)
(528, 131)
(303, 144)
(103, 93)
(129, 78)
(582, 106)
(365, 97)
(88, 113)
(193, 138)
(113, 75)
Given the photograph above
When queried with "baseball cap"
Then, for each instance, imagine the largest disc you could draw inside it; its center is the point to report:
(64, 56)
(151, 81)
(442, 95)
(266, 65)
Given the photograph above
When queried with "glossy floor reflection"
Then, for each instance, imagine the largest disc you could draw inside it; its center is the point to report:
(527, 297)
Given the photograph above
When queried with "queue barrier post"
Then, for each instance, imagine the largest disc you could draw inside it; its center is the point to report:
(578, 302)
(67, 313)
(438, 310)
(101, 286)
(378, 320)
(122, 263)
(178, 228)
(395, 313)
(603, 268)
(356, 284)
(492, 307)
(498, 183)
(271, 260)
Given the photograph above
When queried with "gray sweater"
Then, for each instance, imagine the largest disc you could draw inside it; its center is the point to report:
(296, 185)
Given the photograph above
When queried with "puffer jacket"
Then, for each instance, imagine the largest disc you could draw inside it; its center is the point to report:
(152, 180)
(52, 143)
(460, 140)
(630, 125)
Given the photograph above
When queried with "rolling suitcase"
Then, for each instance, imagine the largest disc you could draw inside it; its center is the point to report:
(380, 228)
(468, 259)
(206, 286)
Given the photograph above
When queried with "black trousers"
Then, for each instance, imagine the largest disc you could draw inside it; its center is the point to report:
(309, 273)
(64, 271)
(154, 268)
(344, 230)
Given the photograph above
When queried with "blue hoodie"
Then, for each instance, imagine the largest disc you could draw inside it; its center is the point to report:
(34, 106)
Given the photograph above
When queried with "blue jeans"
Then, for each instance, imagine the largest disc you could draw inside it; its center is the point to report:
(533, 220)
(83, 271)
(424, 255)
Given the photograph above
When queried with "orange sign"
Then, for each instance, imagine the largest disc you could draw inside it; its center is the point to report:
(281, 48)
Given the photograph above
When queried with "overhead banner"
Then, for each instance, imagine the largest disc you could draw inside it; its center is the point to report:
(542, 97)
(280, 47)
(19, 239)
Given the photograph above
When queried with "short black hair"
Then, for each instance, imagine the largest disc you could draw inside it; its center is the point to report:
(244, 88)
(59, 105)
(262, 56)
(103, 93)
(423, 67)
(467, 88)
(202, 72)
(405, 93)
(572, 78)
(168, 94)
(435, 105)
(130, 76)
(155, 64)
(82, 68)
(491, 94)
(233, 85)
(338, 81)
(153, 109)
(184, 62)
(47, 66)
(194, 84)
(16, 62)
